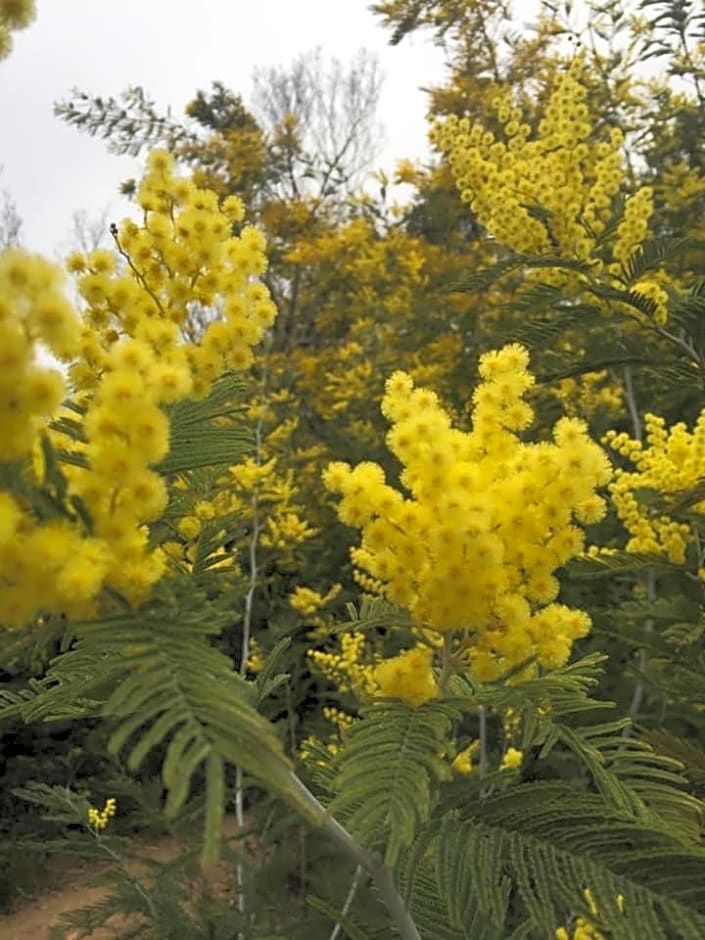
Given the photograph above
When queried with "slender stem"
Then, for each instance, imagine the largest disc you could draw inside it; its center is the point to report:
(354, 885)
(134, 881)
(372, 862)
(139, 276)
(240, 865)
(302, 828)
(639, 688)
(303, 885)
(446, 665)
(482, 734)
(246, 634)
(631, 403)
(254, 543)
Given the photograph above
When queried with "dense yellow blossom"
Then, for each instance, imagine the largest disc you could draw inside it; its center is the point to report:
(249, 474)
(204, 510)
(408, 676)
(189, 527)
(589, 394)
(311, 744)
(184, 254)
(561, 170)
(281, 523)
(34, 312)
(342, 721)
(489, 519)
(582, 930)
(285, 529)
(255, 659)
(553, 191)
(670, 460)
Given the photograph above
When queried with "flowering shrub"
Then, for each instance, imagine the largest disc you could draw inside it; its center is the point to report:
(171, 544)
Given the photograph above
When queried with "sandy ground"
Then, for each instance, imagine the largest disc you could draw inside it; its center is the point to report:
(34, 920)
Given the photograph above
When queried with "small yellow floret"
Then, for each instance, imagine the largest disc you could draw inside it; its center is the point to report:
(512, 759)
(190, 527)
(463, 761)
(98, 818)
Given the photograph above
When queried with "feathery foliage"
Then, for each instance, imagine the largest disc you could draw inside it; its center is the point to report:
(384, 784)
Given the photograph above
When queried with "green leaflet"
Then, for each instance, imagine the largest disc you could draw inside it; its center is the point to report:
(388, 773)
(547, 842)
(202, 433)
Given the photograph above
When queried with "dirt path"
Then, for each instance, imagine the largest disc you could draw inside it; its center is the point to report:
(34, 920)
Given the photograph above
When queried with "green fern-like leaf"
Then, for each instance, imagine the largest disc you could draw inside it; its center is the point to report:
(488, 276)
(374, 612)
(617, 562)
(651, 256)
(453, 879)
(387, 770)
(557, 711)
(547, 844)
(456, 914)
(268, 678)
(159, 679)
(690, 755)
(203, 433)
(632, 777)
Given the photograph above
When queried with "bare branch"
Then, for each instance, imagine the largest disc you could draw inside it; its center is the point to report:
(321, 118)
(10, 220)
(89, 232)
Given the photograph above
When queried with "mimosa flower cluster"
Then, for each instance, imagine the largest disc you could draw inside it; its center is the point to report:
(462, 763)
(275, 491)
(560, 170)
(347, 668)
(307, 601)
(589, 394)
(355, 667)
(137, 352)
(98, 819)
(489, 519)
(552, 193)
(34, 311)
(671, 460)
(184, 258)
(183, 552)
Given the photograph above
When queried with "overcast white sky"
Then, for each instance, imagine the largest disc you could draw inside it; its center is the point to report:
(171, 48)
